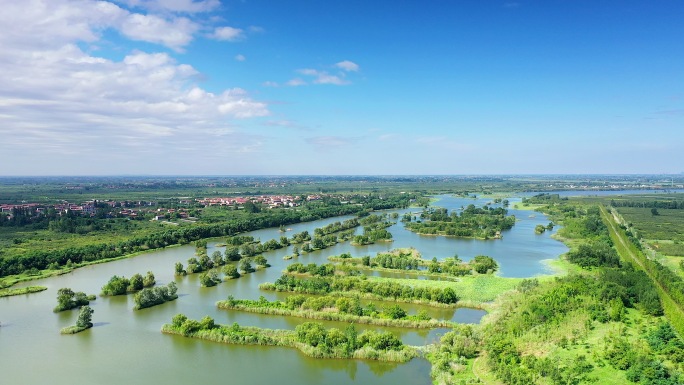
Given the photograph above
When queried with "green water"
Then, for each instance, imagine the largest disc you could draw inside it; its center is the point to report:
(126, 346)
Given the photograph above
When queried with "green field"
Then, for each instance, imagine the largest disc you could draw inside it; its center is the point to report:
(667, 225)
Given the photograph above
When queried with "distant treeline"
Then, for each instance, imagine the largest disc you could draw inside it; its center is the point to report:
(675, 205)
(54, 259)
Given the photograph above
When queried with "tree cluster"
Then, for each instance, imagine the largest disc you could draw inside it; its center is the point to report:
(122, 285)
(149, 297)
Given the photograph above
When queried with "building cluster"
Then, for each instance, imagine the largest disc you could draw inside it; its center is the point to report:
(271, 201)
(140, 209)
(89, 208)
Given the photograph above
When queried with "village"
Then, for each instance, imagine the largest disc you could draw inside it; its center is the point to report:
(153, 210)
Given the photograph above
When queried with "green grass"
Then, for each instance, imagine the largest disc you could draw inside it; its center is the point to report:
(337, 316)
(475, 291)
(74, 329)
(287, 338)
(23, 290)
(668, 225)
(667, 247)
(673, 263)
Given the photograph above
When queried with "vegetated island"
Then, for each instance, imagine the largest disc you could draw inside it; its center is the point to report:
(408, 260)
(310, 338)
(364, 287)
(331, 308)
(473, 222)
(22, 290)
(83, 322)
(67, 299)
(152, 296)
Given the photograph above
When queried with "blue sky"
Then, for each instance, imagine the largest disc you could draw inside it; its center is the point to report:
(351, 87)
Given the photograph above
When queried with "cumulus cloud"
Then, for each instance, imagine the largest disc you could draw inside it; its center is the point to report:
(57, 98)
(347, 66)
(227, 33)
(175, 34)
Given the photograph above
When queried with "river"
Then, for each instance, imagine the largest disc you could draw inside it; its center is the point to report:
(126, 346)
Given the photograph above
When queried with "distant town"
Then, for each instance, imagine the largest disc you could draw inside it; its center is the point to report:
(146, 209)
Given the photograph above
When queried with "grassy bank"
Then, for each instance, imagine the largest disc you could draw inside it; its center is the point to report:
(330, 343)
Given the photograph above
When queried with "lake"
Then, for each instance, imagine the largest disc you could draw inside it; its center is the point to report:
(126, 346)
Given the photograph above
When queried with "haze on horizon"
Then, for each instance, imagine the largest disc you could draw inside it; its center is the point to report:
(219, 87)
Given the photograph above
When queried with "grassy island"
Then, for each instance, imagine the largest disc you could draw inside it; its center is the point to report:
(408, 260)
(330, 308)
(22, 290)
(84, 321)
(473, 222)
(364, 287)
(310, 338)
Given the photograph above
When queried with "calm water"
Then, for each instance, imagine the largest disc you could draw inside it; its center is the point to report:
(125, 346)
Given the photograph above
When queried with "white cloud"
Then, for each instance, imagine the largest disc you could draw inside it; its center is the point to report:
(240, 57)
(184, 6)
(44, 23)
(227, 33)
(174, 34)
(270, 84)
(55, 98)
(325, 78)
(322, 77)
(347, 66)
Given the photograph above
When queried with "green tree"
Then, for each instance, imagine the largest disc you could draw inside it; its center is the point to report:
(260, 260)
(232, 253)
(217, 258)
(246, 265)
(484, 264)
(149, 279)
(395, 312)
(135, 283)
(179, 269)
(116, 286)
(85, 317)
(209, 279)
(231, 271)
(434, 266)
(65, 299)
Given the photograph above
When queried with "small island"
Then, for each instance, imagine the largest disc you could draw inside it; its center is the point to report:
(84, 321)
(311, 338)
(473, 222)
(21, 290)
